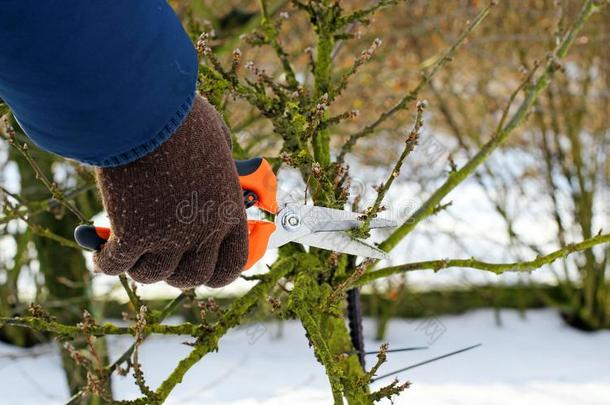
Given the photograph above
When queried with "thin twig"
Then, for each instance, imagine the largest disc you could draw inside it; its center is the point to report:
(138, 373)
(135, 300)
(410, 144)
(362, 14)
(38, 229)
(51, 186)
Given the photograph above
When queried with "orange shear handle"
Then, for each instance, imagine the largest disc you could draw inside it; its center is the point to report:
(259, 183)
(259, 233)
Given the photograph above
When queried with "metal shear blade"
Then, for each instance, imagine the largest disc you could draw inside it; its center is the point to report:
(343, 243)
(324, 228)
(347, 224)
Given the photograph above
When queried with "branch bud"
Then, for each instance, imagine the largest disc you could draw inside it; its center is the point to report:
(202, 44)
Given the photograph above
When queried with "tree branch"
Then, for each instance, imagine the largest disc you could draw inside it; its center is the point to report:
(209, 341)
(323, 353)
(496, 268)
(58, 328)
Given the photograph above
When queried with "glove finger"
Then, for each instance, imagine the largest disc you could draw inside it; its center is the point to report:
(232, 257)
(155, 266)
(197, 265)
(115, 257)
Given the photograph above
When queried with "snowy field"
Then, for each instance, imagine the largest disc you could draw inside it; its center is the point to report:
(536, 360)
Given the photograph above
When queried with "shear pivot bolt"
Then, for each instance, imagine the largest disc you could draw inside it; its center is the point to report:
(291, 221)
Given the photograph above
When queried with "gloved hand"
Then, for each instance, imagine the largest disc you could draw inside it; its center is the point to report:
(177, 214)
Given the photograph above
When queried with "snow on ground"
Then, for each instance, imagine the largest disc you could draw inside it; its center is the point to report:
(537, 360)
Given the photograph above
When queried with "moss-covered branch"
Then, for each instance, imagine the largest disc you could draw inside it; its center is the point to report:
(497, 268)
(58, 328)
(209, 341)
(323, 353)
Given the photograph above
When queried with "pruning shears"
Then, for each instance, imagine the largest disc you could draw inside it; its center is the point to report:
(306, 224)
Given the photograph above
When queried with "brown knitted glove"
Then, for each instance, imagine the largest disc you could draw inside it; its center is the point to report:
(177, 214)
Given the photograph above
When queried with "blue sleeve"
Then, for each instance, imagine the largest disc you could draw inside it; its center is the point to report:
(102, 82)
